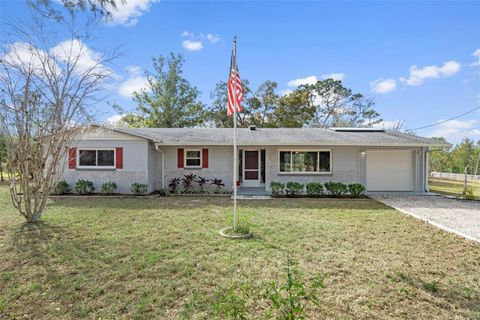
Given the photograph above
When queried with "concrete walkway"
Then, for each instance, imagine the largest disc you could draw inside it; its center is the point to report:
(457, 216)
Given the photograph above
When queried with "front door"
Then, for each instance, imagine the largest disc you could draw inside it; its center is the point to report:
(251, 168)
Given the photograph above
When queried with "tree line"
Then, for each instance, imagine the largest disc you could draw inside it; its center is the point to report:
(464, 155)
(170, 101)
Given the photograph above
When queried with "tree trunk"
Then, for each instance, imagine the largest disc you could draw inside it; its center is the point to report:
(35, 218)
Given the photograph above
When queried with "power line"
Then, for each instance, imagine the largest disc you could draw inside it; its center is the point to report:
(437, 123)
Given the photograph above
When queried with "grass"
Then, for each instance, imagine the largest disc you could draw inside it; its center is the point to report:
(452, 187)
(163, 258)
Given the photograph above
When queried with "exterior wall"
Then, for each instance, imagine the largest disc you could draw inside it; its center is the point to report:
(348, 166)
(152, 164)
(143, 163)
(344, 166)
(135, 161)
(220, 162)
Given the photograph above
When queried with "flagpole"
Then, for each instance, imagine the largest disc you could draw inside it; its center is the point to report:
(235, 167)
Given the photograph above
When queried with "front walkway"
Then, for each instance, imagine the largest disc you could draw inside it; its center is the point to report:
(457, 216)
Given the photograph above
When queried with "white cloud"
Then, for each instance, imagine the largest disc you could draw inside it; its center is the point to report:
(195, 42)
(76, 52)
(113, 120)
(285, 92)
(314, 79)
(212, 38)
(127, 12)
(134, 83)
(192, 45)
(300, 81)
(477, 55)
(23, 56)
(418, 76)
(334, 76)
(389, 124)
(456, 130)
(383, 85)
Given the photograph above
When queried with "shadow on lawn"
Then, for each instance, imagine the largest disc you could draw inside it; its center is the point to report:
(225, 202)
(39, 243)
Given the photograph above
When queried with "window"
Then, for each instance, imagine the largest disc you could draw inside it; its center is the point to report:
(305, 161)
(104, 158)
(193, 158)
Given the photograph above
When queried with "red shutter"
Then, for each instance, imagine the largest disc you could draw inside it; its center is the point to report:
(72, 158)
(119, 158)
(180, 157)
(204, 158)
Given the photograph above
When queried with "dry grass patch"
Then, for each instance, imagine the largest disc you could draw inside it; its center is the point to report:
(163, 258)
(452, 187)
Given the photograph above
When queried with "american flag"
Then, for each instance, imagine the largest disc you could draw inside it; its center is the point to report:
(235, 90)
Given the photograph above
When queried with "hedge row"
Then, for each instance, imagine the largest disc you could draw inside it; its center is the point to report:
(316, 189)
(85, 187)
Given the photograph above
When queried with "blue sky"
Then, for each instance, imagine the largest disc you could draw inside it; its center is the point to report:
(420, 60)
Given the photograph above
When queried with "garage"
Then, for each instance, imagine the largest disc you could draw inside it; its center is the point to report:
(390, 170)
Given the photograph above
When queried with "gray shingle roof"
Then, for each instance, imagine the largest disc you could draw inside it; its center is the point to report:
(280, 136)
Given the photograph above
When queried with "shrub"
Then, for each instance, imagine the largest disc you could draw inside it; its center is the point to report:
(173, 185)
(138, 188)
(108, 187)
(218, 183)
(187, 182)
(61, 187)
(84, 187)
(314, 188)
(201, 183)
(336, 189)
(277, 188)
(356, 189)
(294, 188)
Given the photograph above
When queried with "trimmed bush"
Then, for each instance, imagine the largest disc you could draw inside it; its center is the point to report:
(84, 187)
(314, 189)
(294, 188)
(356, 189)
(336, 189)
(139, 188)
(108, 187)
(277, 188)
(61, 187)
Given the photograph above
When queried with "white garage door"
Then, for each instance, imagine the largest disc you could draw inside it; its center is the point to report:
(389, 170)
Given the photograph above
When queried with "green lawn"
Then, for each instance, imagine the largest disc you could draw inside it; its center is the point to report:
(163, 258)
(452, 187)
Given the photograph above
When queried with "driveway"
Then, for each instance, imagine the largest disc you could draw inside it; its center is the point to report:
(457, 216)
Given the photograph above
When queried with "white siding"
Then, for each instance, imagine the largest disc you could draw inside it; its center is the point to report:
(344, 166)
(134, 165)
(220, 165)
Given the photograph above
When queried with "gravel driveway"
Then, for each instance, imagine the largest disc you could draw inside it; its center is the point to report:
(457, 216)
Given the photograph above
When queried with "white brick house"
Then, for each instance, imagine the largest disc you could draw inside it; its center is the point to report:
(381, 160)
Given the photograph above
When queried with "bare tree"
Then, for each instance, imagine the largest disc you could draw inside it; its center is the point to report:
(48, 89)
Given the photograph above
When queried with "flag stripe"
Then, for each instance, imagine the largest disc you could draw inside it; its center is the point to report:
(234, 95)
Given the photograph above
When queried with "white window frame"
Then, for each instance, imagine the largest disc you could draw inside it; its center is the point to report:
(97, 167)
(185, 159)
(309, 172)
